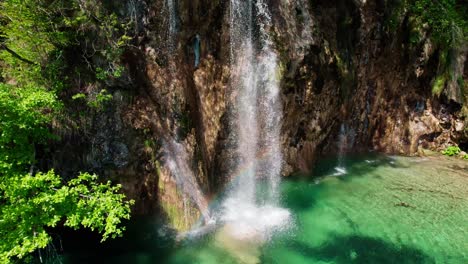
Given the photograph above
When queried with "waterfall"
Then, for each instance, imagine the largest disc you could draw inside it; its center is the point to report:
(177, 161)
(307, 23)
(257, 114)
(243, 82)
(270, 112)
(250, 210)
(342, 145)
(307, 19)
(176, 157)
(172, 11)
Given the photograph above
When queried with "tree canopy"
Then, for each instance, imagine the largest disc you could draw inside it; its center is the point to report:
(34, 34)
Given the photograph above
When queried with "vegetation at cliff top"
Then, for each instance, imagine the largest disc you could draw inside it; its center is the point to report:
(446, 20)
(36, 38)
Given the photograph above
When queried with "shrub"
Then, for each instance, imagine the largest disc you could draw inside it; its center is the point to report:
(451, 151)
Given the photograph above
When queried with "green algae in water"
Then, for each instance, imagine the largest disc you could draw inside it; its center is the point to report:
(384, 210)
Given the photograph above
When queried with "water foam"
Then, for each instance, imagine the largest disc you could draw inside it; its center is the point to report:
(247, 221)
(339, 171)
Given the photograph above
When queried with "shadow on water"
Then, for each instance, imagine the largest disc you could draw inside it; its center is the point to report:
(144, 241)
(361, 249)
(300, 199)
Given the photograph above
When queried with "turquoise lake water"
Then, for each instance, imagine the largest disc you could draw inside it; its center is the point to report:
(383, 210)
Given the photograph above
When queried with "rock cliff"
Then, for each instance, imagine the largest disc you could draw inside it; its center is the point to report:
(340, 66)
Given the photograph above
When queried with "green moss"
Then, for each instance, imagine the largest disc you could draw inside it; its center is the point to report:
(439, 85)
(461, 82)
(181, 214)
(339, 63)
(174, 216)
(416, 30)
(280, 70)
(347, 76)
(157, 167)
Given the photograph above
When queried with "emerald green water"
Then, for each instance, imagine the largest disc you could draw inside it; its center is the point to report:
(384, 210)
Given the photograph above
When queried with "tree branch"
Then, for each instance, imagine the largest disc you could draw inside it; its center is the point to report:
(16, 55)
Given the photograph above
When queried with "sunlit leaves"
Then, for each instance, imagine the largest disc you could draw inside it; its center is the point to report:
(31, 204)
(24, 114)
(34, 30)
(105, 201)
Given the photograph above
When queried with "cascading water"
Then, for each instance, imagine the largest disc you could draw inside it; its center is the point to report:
(257, 114)
(307, 19)
(176, 156)
(250, 210)
(177, 161)
(243, 82)
(342, 144)
(270, 112)
(307, 23)
(172, 10)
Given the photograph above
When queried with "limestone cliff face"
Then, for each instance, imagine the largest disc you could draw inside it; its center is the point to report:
(340, 67)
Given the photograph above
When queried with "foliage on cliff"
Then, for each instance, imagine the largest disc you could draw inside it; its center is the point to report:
(53, 43)
(43, 47)
(446, 23)
(446, 20)
(443, 24)
(32, 202)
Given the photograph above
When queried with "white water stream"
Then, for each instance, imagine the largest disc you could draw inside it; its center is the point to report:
(172, 10)
(250, 210)
(257, 115)
(340, 169)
